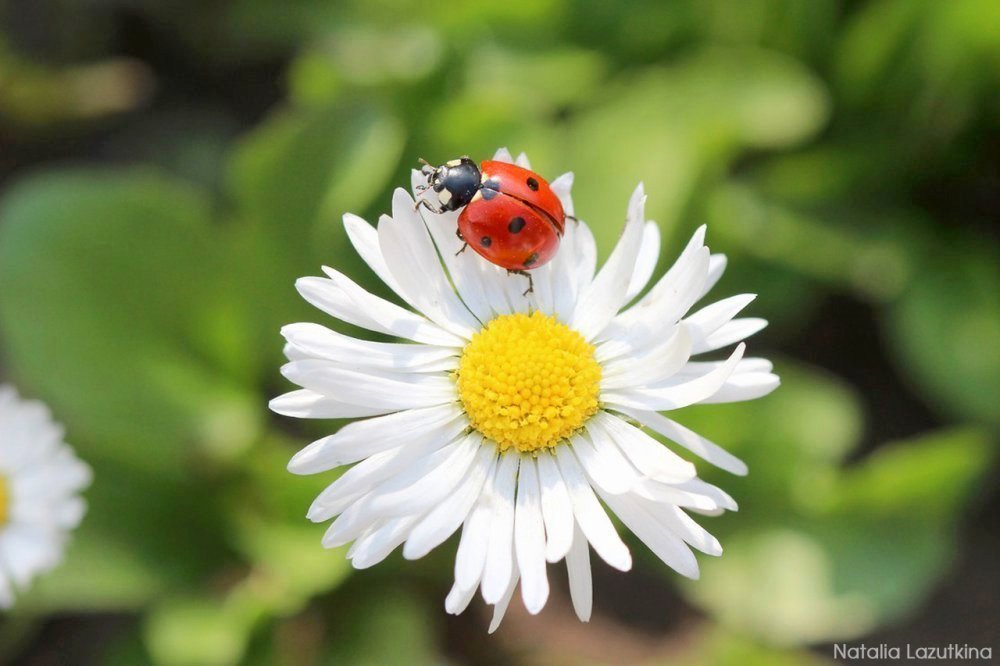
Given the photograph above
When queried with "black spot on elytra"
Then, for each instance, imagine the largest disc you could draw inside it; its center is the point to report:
(533, 184)
(532, 258)
(516, 224)
(486, 241)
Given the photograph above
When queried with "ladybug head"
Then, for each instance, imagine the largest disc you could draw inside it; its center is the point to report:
(455, 182)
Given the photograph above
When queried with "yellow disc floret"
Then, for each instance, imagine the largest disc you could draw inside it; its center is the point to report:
(528, 381)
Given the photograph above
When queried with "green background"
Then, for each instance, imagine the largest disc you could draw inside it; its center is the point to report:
(167, 169)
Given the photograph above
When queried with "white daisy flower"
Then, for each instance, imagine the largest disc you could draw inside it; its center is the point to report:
(40, 481)
(514, 416)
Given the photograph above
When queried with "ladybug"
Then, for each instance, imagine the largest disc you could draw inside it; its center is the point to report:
(510, 216)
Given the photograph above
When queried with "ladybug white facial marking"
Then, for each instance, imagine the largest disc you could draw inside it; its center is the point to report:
(444, 196)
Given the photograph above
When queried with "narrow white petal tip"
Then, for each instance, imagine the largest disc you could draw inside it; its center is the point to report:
(492, 596)
(280, 405)
(296, 464)
(350, 219)
(410, 552)
(623, 563)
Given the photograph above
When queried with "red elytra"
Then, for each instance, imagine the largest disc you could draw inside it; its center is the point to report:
(515, 220)
(511, 217)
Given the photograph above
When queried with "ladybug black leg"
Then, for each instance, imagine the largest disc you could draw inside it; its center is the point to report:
(426, 204)
(572, 217)
(462, 249)
(531, 281)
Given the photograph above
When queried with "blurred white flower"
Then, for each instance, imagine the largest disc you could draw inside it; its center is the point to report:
(40, 481)
(514, 416)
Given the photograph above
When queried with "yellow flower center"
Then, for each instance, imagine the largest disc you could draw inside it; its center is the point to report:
(4, 500)
(528, 381)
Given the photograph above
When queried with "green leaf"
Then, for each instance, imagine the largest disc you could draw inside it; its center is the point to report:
(683, 122)
(792, 441)
(945, 329)
(195, 631)
(892, 523)
(105, 282)
(292, 180)
(392, 626)
(868, 550)
(144, 534)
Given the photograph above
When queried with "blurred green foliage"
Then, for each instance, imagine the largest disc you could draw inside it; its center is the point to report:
(144, 303)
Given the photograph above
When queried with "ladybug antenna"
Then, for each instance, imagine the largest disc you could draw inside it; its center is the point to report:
(427, 169)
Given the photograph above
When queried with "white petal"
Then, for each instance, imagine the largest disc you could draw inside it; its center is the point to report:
(645, 263)
(442, 521)
(458, 599)
(711, 317)
(586, 258)
(668, 300)
(344, 299)
(718, 495)
(590, 515)
(661, 361)
(371, 471)
(414, 262)
(471, 556)
(601, 300)
(499, 556)
(376, 545)
(665, 493)
(522, 161)
(730, 332)
(716, 267)
(361, 439)
(677, 395)
(578, 568)
(664, 544)
(423, 486)
(320, 342)
(557, 510)
(306, 404)
(464, 266)
(689, 439)
(691, 532)
(649, 456)
(372, 387)
(413, 490)
(529, 538)
(745, 386)
(364, 238)
(609, 472)
(562, 186)
(503, 155)
(501, 607)
(666, 303)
